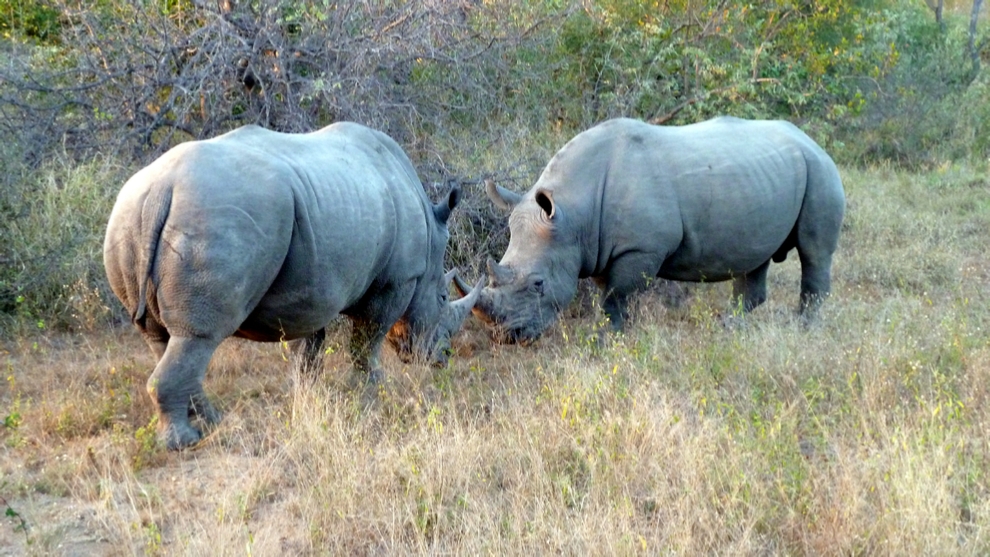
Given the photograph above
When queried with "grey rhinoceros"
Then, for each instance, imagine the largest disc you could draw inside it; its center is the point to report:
(627, 201)
(269, 236)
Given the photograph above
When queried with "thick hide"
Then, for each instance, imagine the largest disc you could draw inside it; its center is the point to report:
(269, 237)
(627, 201)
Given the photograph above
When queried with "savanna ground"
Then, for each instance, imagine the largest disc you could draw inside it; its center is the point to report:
(866, 433)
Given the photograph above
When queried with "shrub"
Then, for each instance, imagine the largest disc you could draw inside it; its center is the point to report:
(52, 272)
(34, 20)
(471, 90)
(685, 61)
(132, 82)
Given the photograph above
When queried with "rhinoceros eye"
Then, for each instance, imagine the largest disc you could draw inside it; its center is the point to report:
(538, 286)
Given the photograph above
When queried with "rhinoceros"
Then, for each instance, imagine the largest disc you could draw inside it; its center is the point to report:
(270, 236)
(626, 201)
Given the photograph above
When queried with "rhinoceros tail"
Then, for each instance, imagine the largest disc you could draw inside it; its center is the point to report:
(154, 212)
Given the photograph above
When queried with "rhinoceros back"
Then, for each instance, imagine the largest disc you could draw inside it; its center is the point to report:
(726, 193)
(360, 220)
(285, 230)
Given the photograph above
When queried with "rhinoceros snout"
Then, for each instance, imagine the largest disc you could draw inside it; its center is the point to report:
(509, 334)
(506, 326)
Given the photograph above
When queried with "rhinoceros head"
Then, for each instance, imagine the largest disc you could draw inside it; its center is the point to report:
(425, 331)
(538, 274)
(417, 340)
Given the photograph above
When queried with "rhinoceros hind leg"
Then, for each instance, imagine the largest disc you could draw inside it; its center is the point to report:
(156, 336)
(750, 290)
(176, 388)
(816, 278)
(202, 407)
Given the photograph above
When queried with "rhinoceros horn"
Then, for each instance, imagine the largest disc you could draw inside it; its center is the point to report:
(499, 274)
(483, 306)
(462, 288)
(462, 307)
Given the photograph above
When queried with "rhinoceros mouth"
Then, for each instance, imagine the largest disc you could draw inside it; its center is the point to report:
(505, 330)
(505, 327)
(523, 336)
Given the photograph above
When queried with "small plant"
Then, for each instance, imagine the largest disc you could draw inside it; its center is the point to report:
(13, 420)
(152, 537)
(148, 447)
(434, 419)
(443, 379)
(20, 524)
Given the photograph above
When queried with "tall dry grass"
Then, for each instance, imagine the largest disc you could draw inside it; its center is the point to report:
(865, 434)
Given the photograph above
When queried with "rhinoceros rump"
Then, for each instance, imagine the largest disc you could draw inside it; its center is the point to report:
(626, 201)
(270, 236)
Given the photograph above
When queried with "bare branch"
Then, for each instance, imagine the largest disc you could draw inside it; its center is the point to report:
(282, 65)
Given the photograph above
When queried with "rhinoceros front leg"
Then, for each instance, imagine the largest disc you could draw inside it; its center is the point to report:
(308, 352)
(367, 337)
(176, 389)
(750, 290)
(627, 274)
(616, 308)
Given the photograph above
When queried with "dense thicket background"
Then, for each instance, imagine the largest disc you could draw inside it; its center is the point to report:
(90, 91)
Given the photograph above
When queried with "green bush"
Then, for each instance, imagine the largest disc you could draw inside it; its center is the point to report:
(35, 20)
(929, 107)
(685, 61)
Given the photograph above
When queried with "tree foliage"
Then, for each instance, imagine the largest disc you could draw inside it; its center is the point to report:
(34, 20)
(773, 58)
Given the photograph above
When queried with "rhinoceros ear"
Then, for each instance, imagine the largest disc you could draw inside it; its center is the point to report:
(442, 210)
(501, 197)
(544, 198)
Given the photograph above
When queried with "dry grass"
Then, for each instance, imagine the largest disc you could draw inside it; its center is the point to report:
(866, 434)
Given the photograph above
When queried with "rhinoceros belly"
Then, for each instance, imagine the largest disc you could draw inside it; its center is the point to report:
(734, 216)
(714, 263)
(721, 244)
(289, 315)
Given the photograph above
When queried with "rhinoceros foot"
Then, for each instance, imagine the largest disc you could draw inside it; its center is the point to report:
(372, 388)
(373, 379)
(179, 435)
(202, 408)
(377, 377)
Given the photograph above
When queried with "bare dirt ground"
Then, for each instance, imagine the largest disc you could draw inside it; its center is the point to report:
(58, 493)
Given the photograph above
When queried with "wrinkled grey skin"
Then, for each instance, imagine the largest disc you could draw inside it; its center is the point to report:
(626, 201)
(268, 237)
